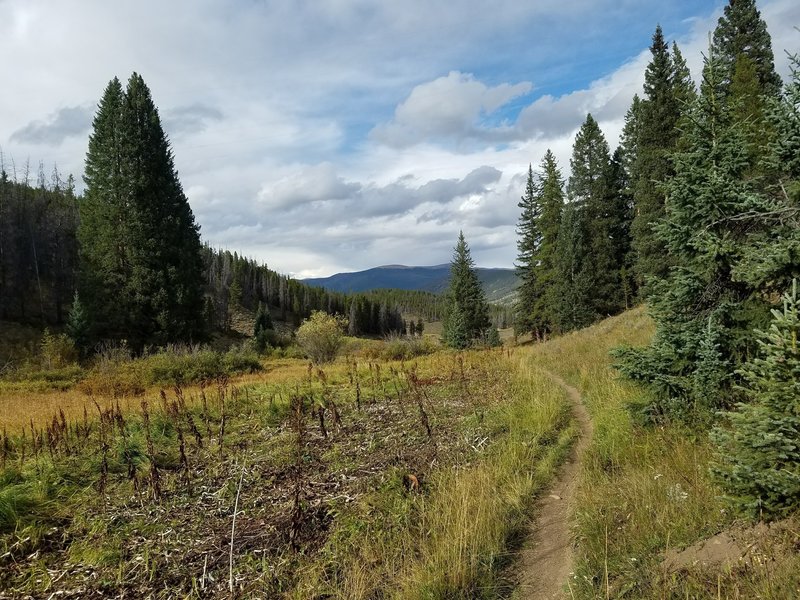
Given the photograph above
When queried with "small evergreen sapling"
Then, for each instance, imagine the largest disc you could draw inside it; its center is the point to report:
(262, 329)
(78, 325)
(758, 459)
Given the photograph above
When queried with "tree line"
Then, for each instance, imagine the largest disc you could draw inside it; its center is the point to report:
(696, 213)
(38, 244)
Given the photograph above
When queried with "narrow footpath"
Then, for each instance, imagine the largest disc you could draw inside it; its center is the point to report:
(546, 560)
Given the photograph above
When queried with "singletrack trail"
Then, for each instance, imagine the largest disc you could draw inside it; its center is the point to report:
(546, 560)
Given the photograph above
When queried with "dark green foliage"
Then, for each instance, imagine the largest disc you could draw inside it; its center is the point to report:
(537, 303)
(493, 338)
(38, 245)
(467, 317)
(455, 332)
(140, 246)
(528, 241)
(571, 283)
(742, 31)
(668, 90)
(598, 233)
(262, 328)
(551, 190)
(758, 459)
(729, 238)
(78, 325)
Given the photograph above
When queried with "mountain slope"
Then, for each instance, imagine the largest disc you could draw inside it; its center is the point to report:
(499, 284)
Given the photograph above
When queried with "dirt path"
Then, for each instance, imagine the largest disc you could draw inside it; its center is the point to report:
(546, 559)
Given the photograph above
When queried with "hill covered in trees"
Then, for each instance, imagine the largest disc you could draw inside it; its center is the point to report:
(499, 284)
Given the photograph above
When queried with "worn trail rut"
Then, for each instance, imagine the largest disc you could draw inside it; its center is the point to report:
(546, 560)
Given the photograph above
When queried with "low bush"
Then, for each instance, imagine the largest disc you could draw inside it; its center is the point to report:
(175, 365)
(321, 336)
(405, 348)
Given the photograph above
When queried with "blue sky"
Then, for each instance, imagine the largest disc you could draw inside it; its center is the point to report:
(328, 135)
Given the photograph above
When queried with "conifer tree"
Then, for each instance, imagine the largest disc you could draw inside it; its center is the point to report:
(551, 200)
(711, 300)
(468, 313)
(105, 221)
(758, 459)
(741, 31)
(597, 216)
(528, 242)
(140, 240)
(78, 325)
(657, 136)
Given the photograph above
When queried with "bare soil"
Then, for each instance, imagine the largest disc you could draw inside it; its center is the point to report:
(546, 559)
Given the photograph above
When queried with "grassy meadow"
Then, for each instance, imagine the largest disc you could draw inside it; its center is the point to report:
(369, 478)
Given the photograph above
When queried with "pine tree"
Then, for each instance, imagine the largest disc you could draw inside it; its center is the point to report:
(551, 200)
(758, 458)
(77, 326)
(467, 313)
(742, 31)
(656, 140)
(140, 240)
(528, 242)
(597, 216)
(105, 221)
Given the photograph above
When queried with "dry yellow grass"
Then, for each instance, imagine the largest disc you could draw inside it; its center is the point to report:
(19, 409)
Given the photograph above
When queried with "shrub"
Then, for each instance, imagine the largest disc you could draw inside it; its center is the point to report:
(57, 351)
(240, 360)
(173, 365)
(321, 336)
(405, 348)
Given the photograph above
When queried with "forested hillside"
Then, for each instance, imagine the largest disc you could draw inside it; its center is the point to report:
(500, 284)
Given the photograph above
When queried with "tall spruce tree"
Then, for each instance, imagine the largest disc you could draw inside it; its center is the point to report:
(597, 217)
(105, 221)
(741, 31)
(141, 246)
(657, 136)
(529, 238)
(467, 317)
(551, 200)
(535, 311)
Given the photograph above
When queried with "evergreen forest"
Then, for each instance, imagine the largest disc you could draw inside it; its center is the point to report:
(184, 421)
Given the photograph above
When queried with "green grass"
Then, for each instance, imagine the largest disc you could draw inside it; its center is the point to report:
(645, 490)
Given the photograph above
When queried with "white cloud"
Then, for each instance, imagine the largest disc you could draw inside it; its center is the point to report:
(323, 136)
(449, 108)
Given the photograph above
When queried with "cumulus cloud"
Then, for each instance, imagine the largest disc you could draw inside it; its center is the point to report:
(66, 122)
(451, 108)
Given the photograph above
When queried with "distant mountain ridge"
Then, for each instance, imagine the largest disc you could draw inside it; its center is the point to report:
(499, 284)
